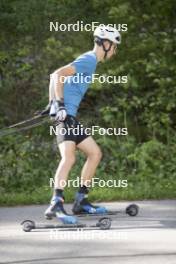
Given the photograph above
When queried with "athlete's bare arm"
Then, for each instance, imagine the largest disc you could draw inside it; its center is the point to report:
(58, 79)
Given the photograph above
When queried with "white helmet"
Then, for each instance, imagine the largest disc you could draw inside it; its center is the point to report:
(109, 33)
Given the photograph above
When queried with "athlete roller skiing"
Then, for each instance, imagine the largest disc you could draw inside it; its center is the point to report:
(64, 100)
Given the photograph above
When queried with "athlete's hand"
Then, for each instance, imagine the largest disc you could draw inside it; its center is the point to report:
(61, 113)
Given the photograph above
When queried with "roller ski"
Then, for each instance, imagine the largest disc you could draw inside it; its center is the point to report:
(57, 210)
(103, 221)
(82, 210)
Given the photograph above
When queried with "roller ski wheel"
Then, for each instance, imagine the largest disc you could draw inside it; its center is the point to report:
(104, 223)
(28, 225)
(132, 210)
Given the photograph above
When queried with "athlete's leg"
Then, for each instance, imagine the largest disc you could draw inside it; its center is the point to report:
(94, 155)
(67, 151)
(56, 207)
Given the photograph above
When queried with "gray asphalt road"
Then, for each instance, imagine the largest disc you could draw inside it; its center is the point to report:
(149, 237)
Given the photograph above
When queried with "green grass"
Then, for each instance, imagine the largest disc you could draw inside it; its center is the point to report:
(43, 194)
(26, 169)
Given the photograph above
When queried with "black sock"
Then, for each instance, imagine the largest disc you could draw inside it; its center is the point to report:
(58, 192)
(83, 189)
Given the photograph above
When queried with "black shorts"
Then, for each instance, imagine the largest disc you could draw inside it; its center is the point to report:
(71, 130)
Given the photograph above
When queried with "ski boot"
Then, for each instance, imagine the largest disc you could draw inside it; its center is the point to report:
(83, 206)
(56, 209)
